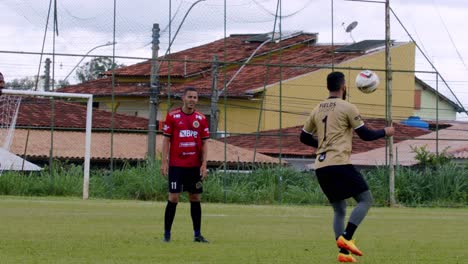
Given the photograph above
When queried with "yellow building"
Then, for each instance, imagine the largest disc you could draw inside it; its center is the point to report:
(430, 104)
(302, 93)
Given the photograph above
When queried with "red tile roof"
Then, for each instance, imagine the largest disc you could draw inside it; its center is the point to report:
(234, 47)
(451, 139)
(70, 145)
(38, 112)
(269, 141)
(197, 71)
(256, 76)
(103, 87)
(461, 153)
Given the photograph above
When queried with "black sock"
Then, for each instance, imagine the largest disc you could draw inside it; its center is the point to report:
(349, 231)
(344, 251)
(195, 211)
(169, 216)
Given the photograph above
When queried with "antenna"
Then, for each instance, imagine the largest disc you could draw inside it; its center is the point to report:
(350, 28)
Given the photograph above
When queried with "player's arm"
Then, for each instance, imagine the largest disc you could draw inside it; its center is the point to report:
(203, 170)
(205, 137)
(307, 133)
(308, 139)
(361, 129)
(165, 155)
(368, 134)
(167, 133)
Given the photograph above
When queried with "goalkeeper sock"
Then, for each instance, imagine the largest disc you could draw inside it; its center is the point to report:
(349, 231)
(344, 251)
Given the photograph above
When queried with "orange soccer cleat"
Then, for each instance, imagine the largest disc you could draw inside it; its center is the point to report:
(341, 242)
(342, 257)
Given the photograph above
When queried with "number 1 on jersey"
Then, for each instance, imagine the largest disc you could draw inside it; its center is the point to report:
(324, 120)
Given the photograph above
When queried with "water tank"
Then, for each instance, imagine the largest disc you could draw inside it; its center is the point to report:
(415, 121)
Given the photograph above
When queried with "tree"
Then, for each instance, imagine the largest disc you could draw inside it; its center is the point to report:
(29, 83)
(62, 83)
(25, 83)
(92, 69)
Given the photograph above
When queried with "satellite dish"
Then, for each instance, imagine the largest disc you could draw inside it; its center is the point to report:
(351, 26)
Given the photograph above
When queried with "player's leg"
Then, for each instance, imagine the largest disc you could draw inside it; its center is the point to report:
(195, 189)
(339, 214)
(364, 202)
(196, 213)
(358, 189)
(175, 188)
(334, 187)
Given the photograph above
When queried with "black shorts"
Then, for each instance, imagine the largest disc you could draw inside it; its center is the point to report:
(341, 182)
(183, 179)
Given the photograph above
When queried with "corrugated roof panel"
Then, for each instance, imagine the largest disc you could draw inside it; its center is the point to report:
(259, 38)
(362, 46)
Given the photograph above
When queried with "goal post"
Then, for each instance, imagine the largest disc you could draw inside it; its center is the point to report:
(89, 118)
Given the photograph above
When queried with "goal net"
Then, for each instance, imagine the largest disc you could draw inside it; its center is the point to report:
(9, 105)
(9, 108)
(44, 126)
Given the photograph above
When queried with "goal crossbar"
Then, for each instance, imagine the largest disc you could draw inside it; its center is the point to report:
(89, 118)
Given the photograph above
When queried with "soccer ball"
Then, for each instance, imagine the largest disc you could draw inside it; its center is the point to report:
(367, 81)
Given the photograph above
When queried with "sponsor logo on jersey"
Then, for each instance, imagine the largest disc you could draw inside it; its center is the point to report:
(322, 156)
(199, 117)
(188, 133)
(196, 124)
(189, 153)
(177, 116)
(187, 144)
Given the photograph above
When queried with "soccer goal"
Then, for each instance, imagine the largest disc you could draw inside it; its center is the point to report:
(10, 103)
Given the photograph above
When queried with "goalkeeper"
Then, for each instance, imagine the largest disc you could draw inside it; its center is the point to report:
(329, 129)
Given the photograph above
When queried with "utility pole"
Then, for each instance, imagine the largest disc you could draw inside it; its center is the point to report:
(154, 92)
(214, 98)
(388, 89)
(47, 75)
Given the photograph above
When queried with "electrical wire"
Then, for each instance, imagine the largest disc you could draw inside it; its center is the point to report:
(299, 10)
(460, 57)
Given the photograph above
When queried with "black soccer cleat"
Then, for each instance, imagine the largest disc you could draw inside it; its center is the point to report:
(166, 239)
(200, 239)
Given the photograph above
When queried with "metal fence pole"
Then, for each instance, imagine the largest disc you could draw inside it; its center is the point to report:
(154, 93)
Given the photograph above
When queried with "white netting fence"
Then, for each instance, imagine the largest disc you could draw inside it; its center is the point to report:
(9, 106)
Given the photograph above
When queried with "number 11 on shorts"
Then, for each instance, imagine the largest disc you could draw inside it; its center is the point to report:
(173, 185)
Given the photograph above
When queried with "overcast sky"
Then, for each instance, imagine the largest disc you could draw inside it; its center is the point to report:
(438, 26)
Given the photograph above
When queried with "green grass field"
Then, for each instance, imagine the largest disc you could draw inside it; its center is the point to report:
(61, 230)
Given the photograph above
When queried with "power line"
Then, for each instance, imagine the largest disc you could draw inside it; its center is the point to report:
(283, 16)
(449, 35)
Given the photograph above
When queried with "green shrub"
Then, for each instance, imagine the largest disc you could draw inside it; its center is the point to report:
(427, 158)
(442, 185)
